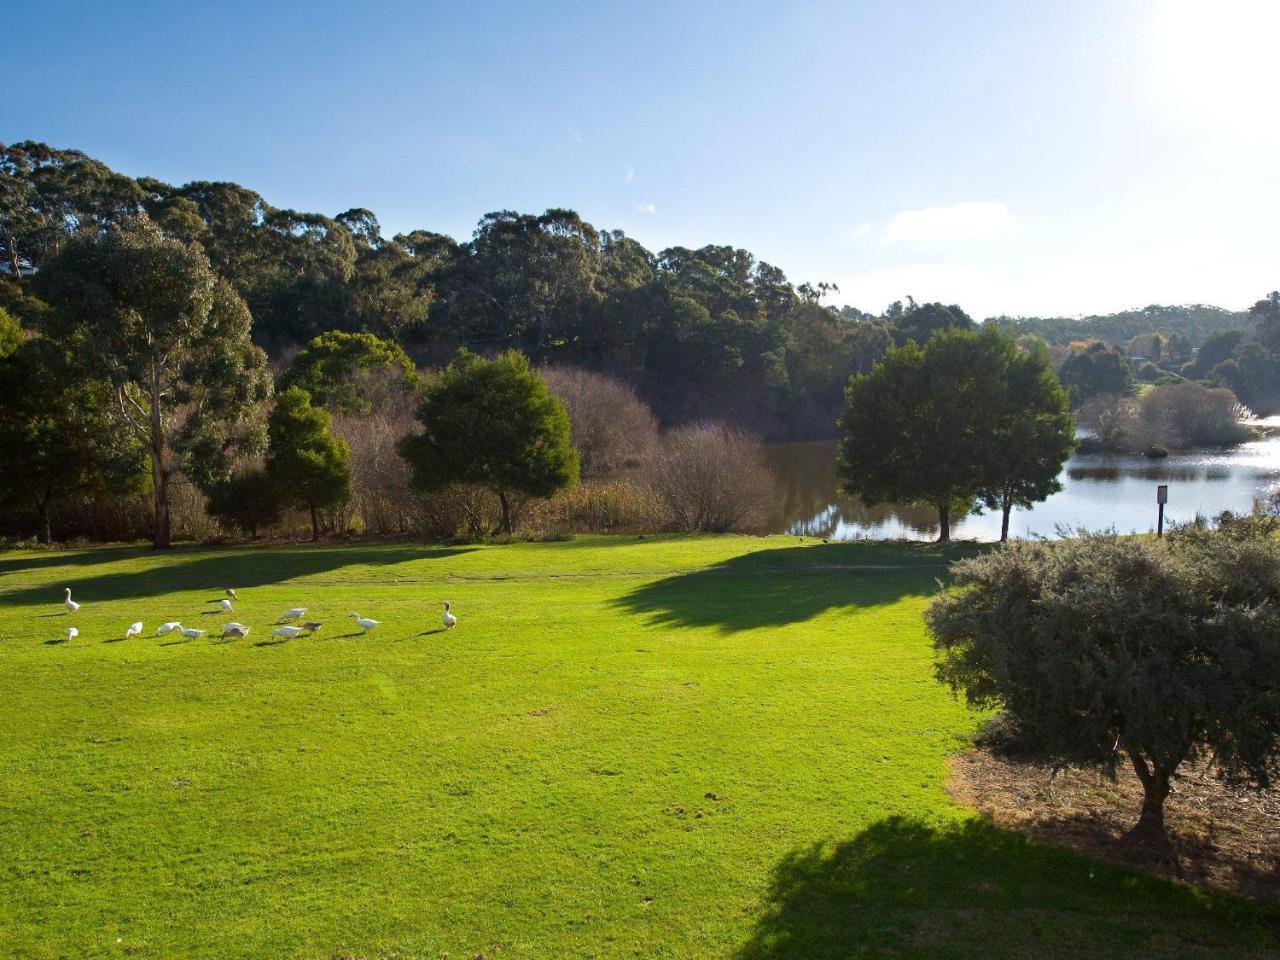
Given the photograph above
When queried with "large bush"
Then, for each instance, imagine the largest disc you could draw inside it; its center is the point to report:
(612, 428)
(1114, 649)
(712, 478)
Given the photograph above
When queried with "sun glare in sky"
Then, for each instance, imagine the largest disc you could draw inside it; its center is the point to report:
(1215, 62)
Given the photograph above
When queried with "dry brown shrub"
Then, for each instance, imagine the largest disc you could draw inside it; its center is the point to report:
(612, 428)
(710, 477)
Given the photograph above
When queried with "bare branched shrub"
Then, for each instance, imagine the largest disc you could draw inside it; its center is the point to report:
(612, 428)
(712, 478)
(1180, 415)
(382, 497)
(190, 519)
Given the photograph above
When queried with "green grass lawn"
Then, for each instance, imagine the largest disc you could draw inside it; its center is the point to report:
(707, 747)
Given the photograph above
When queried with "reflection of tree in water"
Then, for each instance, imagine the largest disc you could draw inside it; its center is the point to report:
(810, 503)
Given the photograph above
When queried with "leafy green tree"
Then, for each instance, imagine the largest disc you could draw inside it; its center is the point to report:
(1266, 313)
(11, 333)
(919, 322)
(1254, 377)
(1029, 430)
(306, 463)
(1217, 348)
(60, 435)
(492, 424)
(147, 314)
(249, 501)
(1097, 369)
(341, 371)
(1106, 648)
(915, 426)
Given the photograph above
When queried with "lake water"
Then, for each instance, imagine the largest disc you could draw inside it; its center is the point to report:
(1098, 491)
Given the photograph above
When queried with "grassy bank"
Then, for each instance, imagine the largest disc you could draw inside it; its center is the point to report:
(675, 747)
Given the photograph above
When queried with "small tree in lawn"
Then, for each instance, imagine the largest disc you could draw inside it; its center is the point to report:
(306, 463)
(1029, 433)
(913, 425)
(1112, 648)
(492, 424)
(148, 315)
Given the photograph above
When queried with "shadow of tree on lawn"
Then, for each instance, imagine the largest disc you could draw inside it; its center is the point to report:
(770, 588)
(904, 888)
(239, 568)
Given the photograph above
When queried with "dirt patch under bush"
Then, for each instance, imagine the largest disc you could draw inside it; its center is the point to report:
(1222, 837)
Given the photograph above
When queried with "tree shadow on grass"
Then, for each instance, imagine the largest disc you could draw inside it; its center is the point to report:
(909, 889)
(239, 568)
(771, 588)
(42, 559)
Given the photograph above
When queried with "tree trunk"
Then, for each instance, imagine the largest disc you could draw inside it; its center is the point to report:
(315, 524)
(944, 522)
(13, 255)
(1004, 521)
(163, 533)
(42, 518)
(506, 512)
(1155, 789)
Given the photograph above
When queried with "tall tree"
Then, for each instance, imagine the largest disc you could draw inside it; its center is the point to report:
(1096, 369)
(915, 426)
(1029, 430)
(60, 435)
(1266, 313)
(492, 424)
(345, 372)
(306, 463)
(919, 322)
(148, 315)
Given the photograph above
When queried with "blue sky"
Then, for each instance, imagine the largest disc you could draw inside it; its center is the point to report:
(1019, 157)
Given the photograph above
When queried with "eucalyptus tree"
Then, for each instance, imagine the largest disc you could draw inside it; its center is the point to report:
(147, 314)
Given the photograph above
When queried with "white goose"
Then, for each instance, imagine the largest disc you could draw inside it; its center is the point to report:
(364, 623)
(72, 633)
(167, 628)
(133, 630)
(288, 632)
(297, 613)
(233, 628)
(231, 594)
(191, 633)
(70, 604)
(450, 621)
(226, 605)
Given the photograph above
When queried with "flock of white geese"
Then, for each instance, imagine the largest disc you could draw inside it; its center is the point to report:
(287, 627)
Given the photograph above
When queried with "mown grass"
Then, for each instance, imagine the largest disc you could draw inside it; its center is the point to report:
(675, 747)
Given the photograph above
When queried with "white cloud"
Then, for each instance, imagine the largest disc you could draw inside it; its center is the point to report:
(860, 232)
(631, 173)
(647, 207)
(972, 219)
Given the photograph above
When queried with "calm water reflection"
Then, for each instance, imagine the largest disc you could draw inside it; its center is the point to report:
(1098, 491)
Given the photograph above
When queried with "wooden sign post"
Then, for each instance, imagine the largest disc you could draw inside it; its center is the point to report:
(1162, 497)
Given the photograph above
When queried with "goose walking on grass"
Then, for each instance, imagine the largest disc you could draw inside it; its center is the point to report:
(167, 628)
(72, 633)
(297, 613)
(234, 627)
(70, 604)
(231, 594)
(311, 626)
(191, 633)
(364, 623)
(450, 621)
(133, 630)
(226, 605)
(288, 632)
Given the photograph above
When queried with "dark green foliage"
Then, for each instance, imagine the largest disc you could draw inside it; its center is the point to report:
(306, 463)
(1219, 347)
(61, 437)
(350, 372)
(247, 501)
(1254, 377)
(1097, 369)
(1185, 326)
(1266, 314)
(1029, 430)
(492, 424)
(148, 315)
(919, 322)
(915, 426)
(1107, 648)
(11, 334)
